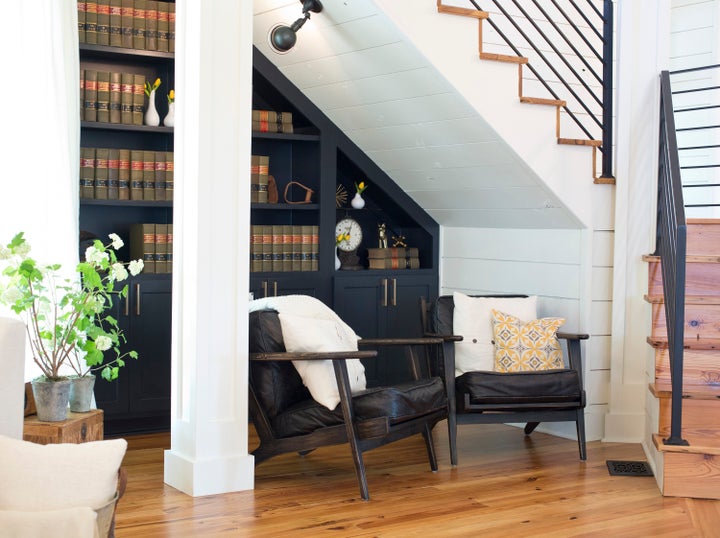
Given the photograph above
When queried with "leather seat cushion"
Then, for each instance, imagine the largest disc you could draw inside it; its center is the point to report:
(399, 403)
(519, 387)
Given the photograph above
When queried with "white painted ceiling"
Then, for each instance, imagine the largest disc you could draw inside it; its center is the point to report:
(373, 83)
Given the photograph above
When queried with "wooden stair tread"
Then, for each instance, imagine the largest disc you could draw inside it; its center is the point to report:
(690, 343)
(689, 299)
(579, 142)
(604, 180)
(503, 58)
(696, 446)
(702, 221)
(696, 392)
(542, 101)
(462, 11)
(689, 258)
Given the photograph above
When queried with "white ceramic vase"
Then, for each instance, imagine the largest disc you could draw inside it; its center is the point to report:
(357, 202)
(152, 117)
(169, 120)
(337, 260)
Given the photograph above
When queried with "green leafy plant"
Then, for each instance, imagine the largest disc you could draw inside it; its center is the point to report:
(151, 88)
(67, 321)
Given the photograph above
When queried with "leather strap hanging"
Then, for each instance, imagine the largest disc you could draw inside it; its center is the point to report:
(308, 193)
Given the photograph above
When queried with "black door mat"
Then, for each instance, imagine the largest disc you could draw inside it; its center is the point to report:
(628, 468)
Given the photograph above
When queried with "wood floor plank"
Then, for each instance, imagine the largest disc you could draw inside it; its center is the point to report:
(506, 484)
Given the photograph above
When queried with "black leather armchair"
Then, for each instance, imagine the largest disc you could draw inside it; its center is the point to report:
(287, 419)
(488, 397)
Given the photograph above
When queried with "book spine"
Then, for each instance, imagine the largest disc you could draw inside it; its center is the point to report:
(171, 26)
(138, 99)
(87, 173)
(277, 249)
(139, 25)
(103, 22)
(264, 127)
(394, 263)
(393, 252)
(169, 254)
(163, 27)
(169, 175)
(160, 176)
(287, 247)
(267, 116)
(254, 178)
(161, 231)
(101, 173)
(142, 245)
(81, 9)
(136, 174)
(263, 178)
(315, 250)
(306, 248)
(148, 182)
(90, 103)
(103, 96)
(267, 247)
(124, 174)
(126, 98)
(116, 23)
(114, 174)
(91, 20)
(297, 248)
(126, 23)
(82, 94)
(115, 97)
(256, 249)
(151, 24)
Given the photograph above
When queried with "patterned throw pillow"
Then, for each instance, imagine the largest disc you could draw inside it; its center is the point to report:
(522, 347)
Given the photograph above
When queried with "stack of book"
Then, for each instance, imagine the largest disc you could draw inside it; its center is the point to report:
(284, 248)
(112, 97)
(393, 258)
(152, 243)
(259, 171)
(131, 24)
(125, 174)
(269, 121)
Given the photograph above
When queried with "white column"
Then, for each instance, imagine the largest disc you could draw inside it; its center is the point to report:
(213, 83)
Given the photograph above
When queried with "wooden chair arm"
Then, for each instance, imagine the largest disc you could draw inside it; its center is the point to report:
(446, 337)
(312, 356)
(573, 336)
(419, 341)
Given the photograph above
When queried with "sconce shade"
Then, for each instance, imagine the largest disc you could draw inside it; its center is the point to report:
(282, 37)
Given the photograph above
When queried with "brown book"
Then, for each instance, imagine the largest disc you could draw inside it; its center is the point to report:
(393, 252)
(263, 179)
(151, 24)
(114, 174)
(277, 248)
(81, 7)
(297, 248)
(142, 245)
(169, 175)
(126, 98)
(116, 23)
(171, 26)
(101, 173)
(138, 99)
(91, 19)
(161, 243)
(256, 248)
(315, 260)
(254, 178)
(160, 176)
(90, 93)
(139, 25)
(271, 116)
(87, 173)
(115, 97)
(306, 248)
(82, 94)
(126, 23)
(136, 174)
(103, 96)
(170, 248)
(267, 247)
(124, 174)
(272, 127)
(163, 27)
(394, 263)
(148, 182)
(103, 22)
(287, 247)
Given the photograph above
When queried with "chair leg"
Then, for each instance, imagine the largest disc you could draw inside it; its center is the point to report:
(530, 427)
(452, 435)
(427, 434)
(580, 423)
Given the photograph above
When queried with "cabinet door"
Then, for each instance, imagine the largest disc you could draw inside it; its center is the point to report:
(295, 284)
(112, 396)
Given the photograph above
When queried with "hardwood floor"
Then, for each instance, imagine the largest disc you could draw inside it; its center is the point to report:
(506, 485)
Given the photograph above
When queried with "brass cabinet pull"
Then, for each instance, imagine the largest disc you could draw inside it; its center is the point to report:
(137, 299)
(274, 288)
(126, 310)
(264, 287)
(385, 291)
(394, 293)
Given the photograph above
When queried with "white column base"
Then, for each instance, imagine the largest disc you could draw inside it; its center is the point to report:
(209, 477)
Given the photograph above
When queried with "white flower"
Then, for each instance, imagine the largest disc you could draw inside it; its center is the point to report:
(103, 343)
(5, 253)
(97, 303)
(118, 272)
(11, 295)
(95, 256)
(116, 241)
(23, 250)
(135, 267)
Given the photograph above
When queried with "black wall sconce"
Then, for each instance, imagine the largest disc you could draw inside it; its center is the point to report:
(283, 38)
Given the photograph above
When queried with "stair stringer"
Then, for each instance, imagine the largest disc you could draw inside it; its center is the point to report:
(530, 131)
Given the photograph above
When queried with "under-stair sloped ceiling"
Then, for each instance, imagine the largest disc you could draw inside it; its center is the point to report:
(362, 71)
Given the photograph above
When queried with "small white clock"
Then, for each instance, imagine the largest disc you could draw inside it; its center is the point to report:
(352, 228)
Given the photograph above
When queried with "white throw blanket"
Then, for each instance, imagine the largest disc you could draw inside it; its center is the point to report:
(308, 325)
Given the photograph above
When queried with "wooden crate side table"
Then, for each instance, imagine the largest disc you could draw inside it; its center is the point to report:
(78, 428)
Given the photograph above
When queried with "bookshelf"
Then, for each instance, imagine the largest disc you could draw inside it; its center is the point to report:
(120, 38)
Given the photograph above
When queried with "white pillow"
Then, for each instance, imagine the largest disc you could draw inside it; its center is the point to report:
(302, 334)
(472, 318)
(78, 522)
(58, 476)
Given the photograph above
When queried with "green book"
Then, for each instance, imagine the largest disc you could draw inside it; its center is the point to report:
(287, 247)
(90, 103)
(139, 25)
(151, 24)
(160, 176)
(256, 254)
(171, 26)
(169, 175)
(87, 173)
(113, 174)
(163, 27)
(116, 23)
(161, 231)
(81, 7)
(138, 99)
(91, 19)
(267, 248)
(148, 182)
(126, 23)
(136, 174)
(115, 97)
(101, 173)
(123, 174)
(103, 96)
(170, 248)
(126, 98)
(277, 247)
(103, 22)
(82, 94)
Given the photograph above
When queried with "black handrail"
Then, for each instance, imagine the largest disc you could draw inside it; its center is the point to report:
(671, 246)
(594, 120)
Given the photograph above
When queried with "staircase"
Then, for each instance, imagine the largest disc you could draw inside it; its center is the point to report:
(692, 470)
(523, 63)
